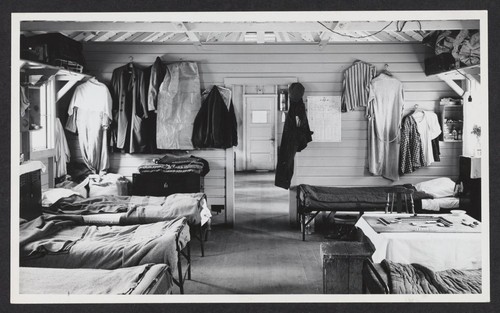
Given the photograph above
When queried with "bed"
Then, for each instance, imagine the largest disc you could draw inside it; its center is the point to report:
(136, 280)
(311, 200)
(68, 242)
(397, 278)
(435, 195)
(128, 210)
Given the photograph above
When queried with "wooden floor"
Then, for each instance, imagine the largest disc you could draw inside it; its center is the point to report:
(262, 254)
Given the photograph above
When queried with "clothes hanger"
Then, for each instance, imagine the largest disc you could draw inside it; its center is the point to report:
(386, 70)
(417, 111)
(130, 63)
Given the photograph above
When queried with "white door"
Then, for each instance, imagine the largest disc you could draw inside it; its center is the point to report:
(260, 132)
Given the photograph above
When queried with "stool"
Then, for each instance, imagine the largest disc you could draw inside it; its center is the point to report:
(343, 225)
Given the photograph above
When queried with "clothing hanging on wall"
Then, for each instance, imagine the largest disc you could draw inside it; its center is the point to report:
(411, 152)
(384, 112)
(215, 125)
(158, 71)
(149, 121)
(296, 136)
(62, 153)
(128, 91)
(435, 149)
(179, 101)
(90, 114)
(355, 86)
(429, 129)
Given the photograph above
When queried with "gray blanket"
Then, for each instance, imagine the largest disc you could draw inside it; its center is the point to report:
(107, 247)
(418, 279)
(81, 281)
(132, 209)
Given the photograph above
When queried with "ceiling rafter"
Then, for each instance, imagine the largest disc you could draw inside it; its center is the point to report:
(101, 36)
(133, 36)
(165, 37)
(118, 36)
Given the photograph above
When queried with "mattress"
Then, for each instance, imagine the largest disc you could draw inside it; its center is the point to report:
(103, 247)
(136, 280)
(320, 198)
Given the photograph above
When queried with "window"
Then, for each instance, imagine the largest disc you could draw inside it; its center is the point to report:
(42, 139)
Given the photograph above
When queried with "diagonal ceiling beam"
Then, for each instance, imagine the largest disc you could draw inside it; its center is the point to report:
(325, 36)
(191, 35)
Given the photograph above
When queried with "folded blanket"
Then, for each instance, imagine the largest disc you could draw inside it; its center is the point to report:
(175, 159)
(168, 168)
(419, 279)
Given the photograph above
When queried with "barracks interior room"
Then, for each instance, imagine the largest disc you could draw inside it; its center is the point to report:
(319, 155)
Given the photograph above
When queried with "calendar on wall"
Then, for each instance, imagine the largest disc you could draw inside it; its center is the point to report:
(323, 113)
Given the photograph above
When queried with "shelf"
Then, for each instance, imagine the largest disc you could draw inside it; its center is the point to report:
(472, 72)
(35, 68)
(32, 68)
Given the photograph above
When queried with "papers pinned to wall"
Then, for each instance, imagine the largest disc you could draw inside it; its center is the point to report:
(324, 115)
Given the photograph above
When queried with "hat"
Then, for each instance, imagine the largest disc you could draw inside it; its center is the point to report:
(296, 91)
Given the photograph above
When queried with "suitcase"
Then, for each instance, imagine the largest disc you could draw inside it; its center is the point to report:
(53, 49)
(440, 63)
(165, 184)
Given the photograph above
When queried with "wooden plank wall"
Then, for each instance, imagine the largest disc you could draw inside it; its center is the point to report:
(320, 70)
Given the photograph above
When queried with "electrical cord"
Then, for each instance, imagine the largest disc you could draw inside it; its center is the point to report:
(399, 28)
(345, 35)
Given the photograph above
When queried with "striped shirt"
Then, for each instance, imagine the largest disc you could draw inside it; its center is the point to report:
(356, 85)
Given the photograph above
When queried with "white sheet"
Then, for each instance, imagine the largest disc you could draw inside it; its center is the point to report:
(439, 251)
(440, 203)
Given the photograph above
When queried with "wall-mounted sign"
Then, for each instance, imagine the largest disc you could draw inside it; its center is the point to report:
(324, 115)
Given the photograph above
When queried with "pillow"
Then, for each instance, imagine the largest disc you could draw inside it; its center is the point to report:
(438, 188)
(51, 196)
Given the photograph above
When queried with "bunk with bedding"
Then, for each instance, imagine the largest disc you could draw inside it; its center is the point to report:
(397, 278)
(136, 280)
(128, 210)
(436, 195)
(69, 242)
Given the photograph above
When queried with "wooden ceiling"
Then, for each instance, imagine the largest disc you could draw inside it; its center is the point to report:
(199, 33)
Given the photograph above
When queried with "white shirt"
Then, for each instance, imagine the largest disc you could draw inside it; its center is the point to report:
(428, 128)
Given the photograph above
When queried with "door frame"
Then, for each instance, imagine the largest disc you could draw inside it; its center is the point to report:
(245, 124)
(244, 81)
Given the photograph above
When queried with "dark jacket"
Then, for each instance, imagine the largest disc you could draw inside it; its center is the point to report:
(128, 90)
(158, 70)
(215, 125)
(296, 135)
